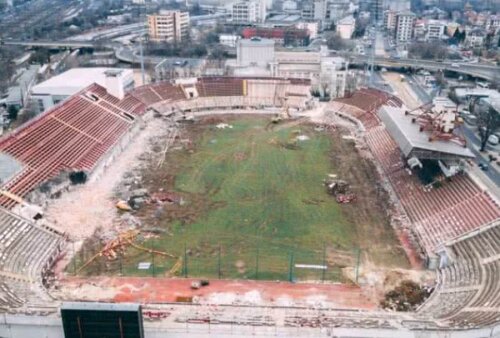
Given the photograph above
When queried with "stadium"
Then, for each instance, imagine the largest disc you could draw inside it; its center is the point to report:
(181, 143)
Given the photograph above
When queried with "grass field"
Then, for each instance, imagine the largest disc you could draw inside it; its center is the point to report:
(254, 206)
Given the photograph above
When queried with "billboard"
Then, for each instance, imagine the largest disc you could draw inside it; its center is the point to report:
(101, 320)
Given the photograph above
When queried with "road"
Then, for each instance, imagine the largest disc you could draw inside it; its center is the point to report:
(470, 135)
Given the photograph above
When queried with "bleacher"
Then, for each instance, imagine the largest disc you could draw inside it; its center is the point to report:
(220, 86)
(437, 214)
(468, 291)
(370, 100)
(74, 135)
(27, 253)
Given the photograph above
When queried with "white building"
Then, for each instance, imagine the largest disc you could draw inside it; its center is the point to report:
(346, 26)
(311, 26)
(435, 30)
(56, 89)
(171, 26)
(320, 8)
(249, 11)
(229, 40)
(404, 26)
(475, 38)
(390, 20)
(255, 52)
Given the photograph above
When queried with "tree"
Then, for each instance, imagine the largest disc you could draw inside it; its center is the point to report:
(12, 111)
(488, 122)
(334, 41)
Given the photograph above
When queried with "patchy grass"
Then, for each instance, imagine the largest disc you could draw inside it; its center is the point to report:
(255, 205)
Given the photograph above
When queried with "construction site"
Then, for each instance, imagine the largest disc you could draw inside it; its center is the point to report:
(243, 206)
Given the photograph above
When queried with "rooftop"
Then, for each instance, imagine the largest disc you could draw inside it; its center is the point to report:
(410, 139)
(74, 80)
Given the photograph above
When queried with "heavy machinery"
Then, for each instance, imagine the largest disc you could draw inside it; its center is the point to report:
(340, 189)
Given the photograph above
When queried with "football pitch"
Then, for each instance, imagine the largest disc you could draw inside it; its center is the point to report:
(252, 204)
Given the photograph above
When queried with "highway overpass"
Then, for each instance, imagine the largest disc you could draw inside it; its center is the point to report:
(486, 72)
(50, 44)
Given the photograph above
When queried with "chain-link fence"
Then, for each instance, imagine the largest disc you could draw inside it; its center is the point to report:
(261, 262)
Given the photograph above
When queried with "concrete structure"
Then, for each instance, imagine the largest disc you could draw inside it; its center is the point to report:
(229, 40)
(255, 52)
(287, 36)
(49, 93)
(328, 75)
(170, 26)
(346, 26)
(311, 26)
(249, 11)
(404, 26)
(475, 38)
(397, 5)
(319, 10)
(435, 30)
(390, 20)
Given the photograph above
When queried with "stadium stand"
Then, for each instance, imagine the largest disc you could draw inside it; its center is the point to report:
(468, 292)
(27, 253)
(458, 220)
(72, 136)
(460, 212)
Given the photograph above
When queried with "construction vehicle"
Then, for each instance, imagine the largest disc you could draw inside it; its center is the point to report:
(345, 198)
(285, 112)
(340, 189)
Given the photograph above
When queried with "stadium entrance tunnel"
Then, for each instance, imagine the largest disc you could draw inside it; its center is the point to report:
(78, 177)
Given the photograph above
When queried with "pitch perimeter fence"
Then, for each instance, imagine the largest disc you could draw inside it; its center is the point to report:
(262, 262)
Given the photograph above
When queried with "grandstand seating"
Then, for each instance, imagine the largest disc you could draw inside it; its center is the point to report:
(76, 135)
(27, 252)
(439, 214)
(370, 100)
(468, 292)
(72, 136)
(220, 86)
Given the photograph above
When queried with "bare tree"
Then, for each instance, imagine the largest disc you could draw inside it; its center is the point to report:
(488, 122)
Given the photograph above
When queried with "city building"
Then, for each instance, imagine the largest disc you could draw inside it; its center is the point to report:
(404, 26)
(56, 89)
(170, 26)
(229, 40)
(249, 11)
(320, 8)
(255, 52)
(345, 27)
(435, 30)
(286, 36)
(390, 20)
(337, 9)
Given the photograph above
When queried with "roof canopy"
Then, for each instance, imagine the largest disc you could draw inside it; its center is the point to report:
(413, 142)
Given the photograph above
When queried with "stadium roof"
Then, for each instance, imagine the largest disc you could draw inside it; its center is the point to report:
(413, 142)
(72, 81)
(9, 166)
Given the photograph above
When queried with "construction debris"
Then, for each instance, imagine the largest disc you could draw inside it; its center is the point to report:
(117, 246)
(340, 189)
(223, 126)
(123, 205)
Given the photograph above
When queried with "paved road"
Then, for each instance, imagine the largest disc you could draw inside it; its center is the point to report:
(470, 135)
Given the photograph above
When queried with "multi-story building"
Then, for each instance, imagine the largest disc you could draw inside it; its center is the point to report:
(435, 30)
(287, 36)
(249, 11)
(58, 88)
(254, 52)
(404, 26)
(170, 26)
(390, 20)
(346, 26)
